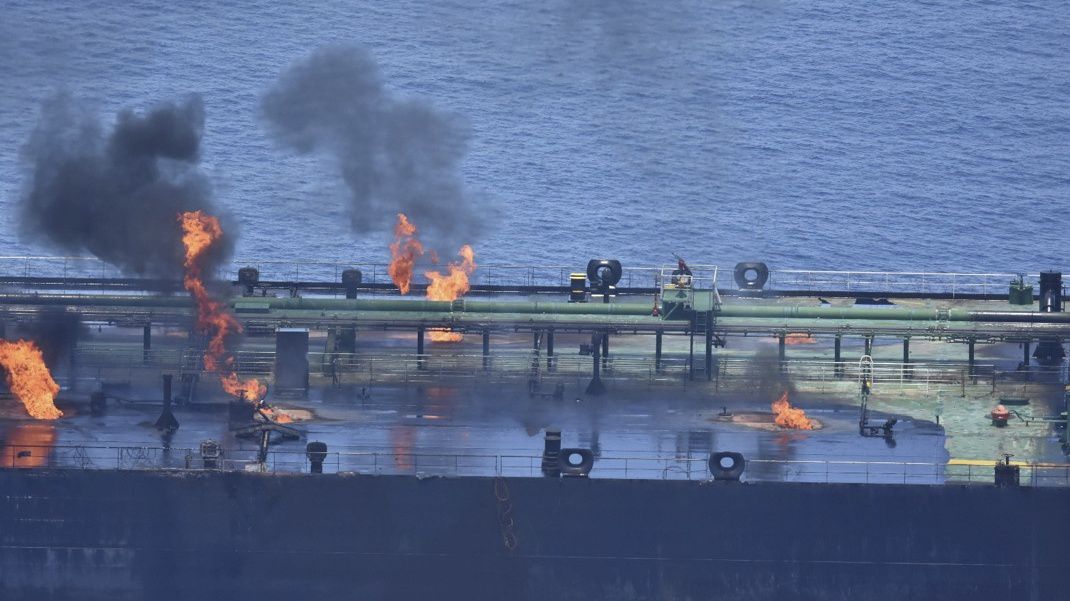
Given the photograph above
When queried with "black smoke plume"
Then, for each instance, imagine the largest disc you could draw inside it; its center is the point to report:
(117, 195)
(395, 155)
(56, 333)
(767, 379)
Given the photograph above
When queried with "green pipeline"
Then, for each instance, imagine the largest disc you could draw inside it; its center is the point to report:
(779, 312)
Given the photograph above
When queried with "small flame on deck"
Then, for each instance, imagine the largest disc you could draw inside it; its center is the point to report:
(790, 417)
(794, 338)
(29, 379)
(200, 232)
(276, 415)
(404, 251)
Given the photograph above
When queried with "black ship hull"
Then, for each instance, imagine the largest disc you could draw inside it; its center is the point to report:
(116, 535)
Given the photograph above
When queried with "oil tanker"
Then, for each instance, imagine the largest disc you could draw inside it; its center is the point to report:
(613, 433)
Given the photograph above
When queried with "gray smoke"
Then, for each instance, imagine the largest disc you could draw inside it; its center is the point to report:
(117, 195)
(56, 333)
(395, 155)
(767, 379)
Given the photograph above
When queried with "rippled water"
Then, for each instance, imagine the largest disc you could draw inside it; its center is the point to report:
(832, 135)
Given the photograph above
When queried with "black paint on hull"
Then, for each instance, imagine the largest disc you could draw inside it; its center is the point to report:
(119, 535)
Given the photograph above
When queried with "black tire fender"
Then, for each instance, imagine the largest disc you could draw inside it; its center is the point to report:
(734, 468)
(581, 468)
(609, 267)
(761, 275)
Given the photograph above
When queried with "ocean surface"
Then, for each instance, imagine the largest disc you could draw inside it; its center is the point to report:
(881, 135)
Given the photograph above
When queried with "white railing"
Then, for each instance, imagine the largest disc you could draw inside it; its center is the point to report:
(617, 465)
(879, 281)
(401, 368)
(326, 271)
(554, 275)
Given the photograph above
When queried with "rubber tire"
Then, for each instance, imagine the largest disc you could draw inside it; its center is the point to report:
(721, 473)
(583, 468)
(596, 265)
(759, 280)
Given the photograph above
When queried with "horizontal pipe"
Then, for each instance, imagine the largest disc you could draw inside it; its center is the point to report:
(457, 306)
(1019, 316)
(338, 304)
(787, 312)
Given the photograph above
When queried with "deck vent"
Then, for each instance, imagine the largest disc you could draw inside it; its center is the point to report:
(1051, 292)
(351, 279)
(551, 454)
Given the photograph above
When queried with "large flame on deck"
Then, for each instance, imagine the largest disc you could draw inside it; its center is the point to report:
(450, 286)
(790, 417)
(200, 232)
(29, 379)
(404, 251)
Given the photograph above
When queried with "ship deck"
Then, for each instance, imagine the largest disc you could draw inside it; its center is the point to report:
(480, 406)
(445, 416)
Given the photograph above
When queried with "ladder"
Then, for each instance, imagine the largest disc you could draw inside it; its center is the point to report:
(702, 325)
(865, 385)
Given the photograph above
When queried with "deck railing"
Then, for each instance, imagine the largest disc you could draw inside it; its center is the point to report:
(880, 281)
(61, 268)
(609, 465)
(116, 362)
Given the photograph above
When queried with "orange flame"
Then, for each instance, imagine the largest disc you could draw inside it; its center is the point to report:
(794, 338)
(449, 287)
(441, 335)
(277, 416)
(249, 389)
(28, 445)
(29, 379)
(200, 232)
(403, 253)
(454, 284)
(790, 417)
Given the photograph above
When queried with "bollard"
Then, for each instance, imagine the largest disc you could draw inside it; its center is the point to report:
(1007, 475)
(551, 454)
(316, 453)
(210, 454)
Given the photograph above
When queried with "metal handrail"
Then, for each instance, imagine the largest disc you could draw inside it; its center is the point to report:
(686, 467)
(878, 281)
(405, 367)
(550, 275)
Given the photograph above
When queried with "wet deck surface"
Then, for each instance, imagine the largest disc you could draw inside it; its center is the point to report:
(485, 423)
(451, 431)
